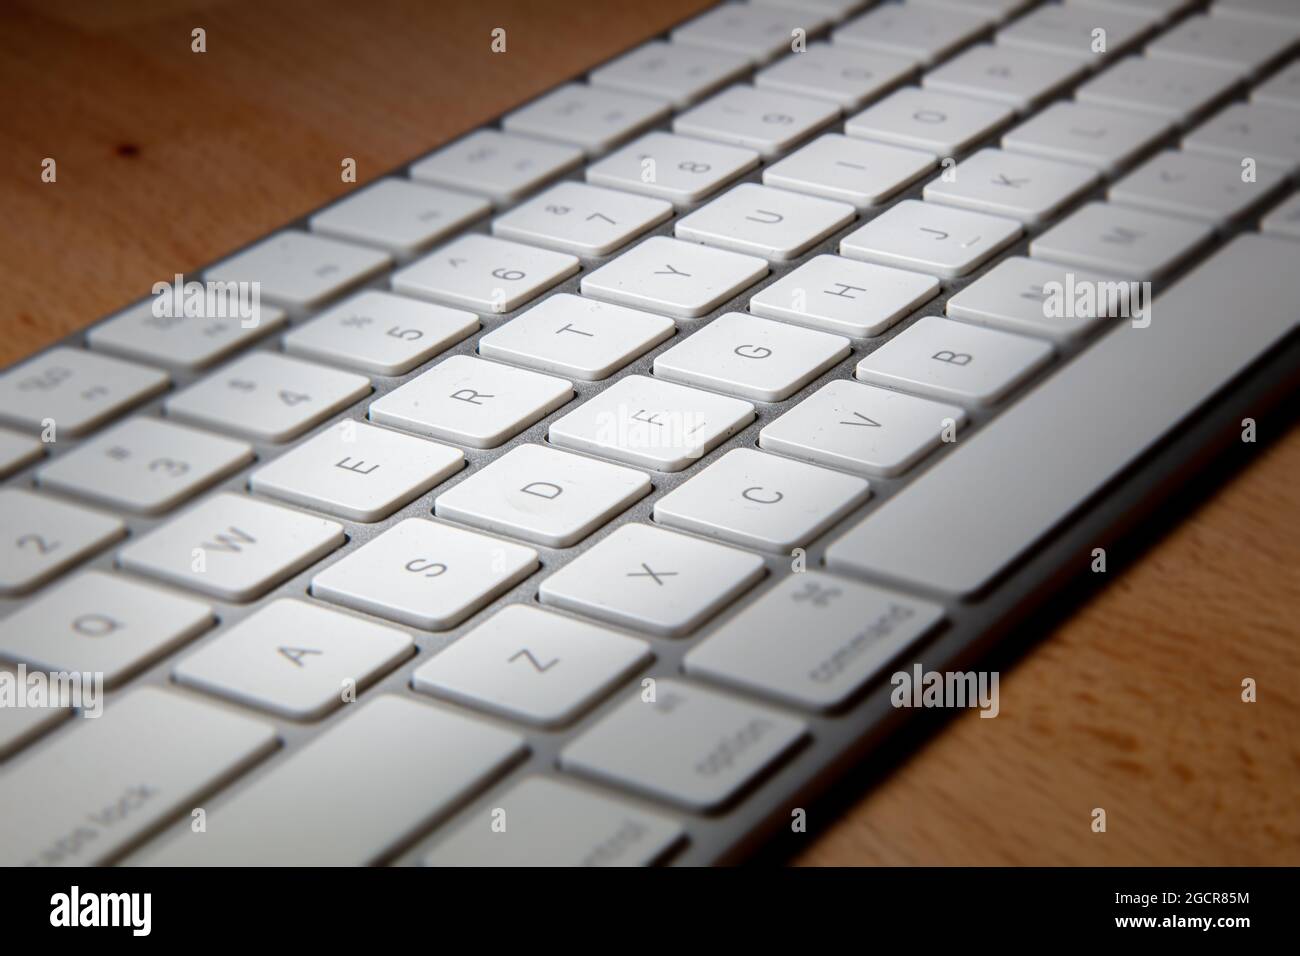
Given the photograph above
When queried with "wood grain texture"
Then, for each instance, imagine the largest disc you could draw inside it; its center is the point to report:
(167, 159)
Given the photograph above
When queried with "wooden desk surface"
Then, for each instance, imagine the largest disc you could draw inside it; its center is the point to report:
(167, 158)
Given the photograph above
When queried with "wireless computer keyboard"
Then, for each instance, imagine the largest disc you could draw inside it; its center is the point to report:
(579, 486)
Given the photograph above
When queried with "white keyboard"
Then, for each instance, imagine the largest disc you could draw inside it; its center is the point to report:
(583, 482)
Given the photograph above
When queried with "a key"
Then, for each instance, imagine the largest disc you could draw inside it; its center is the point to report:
(1206, 188)
(1026, 188)
(946, 359)
(425, 574)
(1107, 140)
(924, 34)
(295, 659)
(674, 72)
(1016, 295)
(99, 623)
(72, 391)
(43, 537)
(689, 746)
(20, 726)
(1022, 79)
(497, 165)
(757, 33)
(1269, 135)
(267, 397)
(862, 429)
(576, 337)
(652, 580)
(850, 170)
(761, 120)
(1277, 13)
(528, 664)
(761, 501)
(18, 451)
(650, 423)
(1281, 89)
(813, 640)
(555, 823)
(1093, 35)
(108, 782)
(998, 10)
(357, 471)
(581, 219)
(846, 76)
(1246, 48)
(381, 333)
(187, 341)
(145, 465)
(471, 402)
(1171, 90)
(484, 273)
(676, 168)
(763, 221)
(938, 123)
(835, 294)
(589, 117)
(399, 215)
(931, 238)
(232, 547)
(389, 769)
(679, 278)
(542, 495)
(1115, 240)
(1284, 220)
(299, 270)
(749, 357)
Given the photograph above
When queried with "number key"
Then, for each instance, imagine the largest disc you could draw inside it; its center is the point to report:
(42, 537)
(585, 220)
(484, 273)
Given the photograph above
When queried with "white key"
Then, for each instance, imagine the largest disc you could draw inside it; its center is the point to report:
(188, 341)
(100, 623)
(938, 123)
(407, 764)
(589, 117)
(679, 278)
(840, 295)
(1015, 295)
(757, 33)
(1121, 242)
(399, 215)
(1241, 46)
(1281, 89)
(862, 429)
(502, 167)
(1284, 220)
(232, 547)
(691, 747)
(924, 34)
(17, 451)
(89, 794)
(850, 170)
(752, 358)
(813, 640)
(43, 536)
(1022, 79)
(761, 501)
(1198, 187)
(955, 361)
(576, 337)
(650, 423)
(1106, 140)
(267, 397)
(558, 824)
(1174, 91)
(582, 219)
(761, 120)
(674, 72)
(1163, 10)
(649, 579)
(1266, 134)
(381, 333)
(763, 221)
(74, 390)
(19, 726)
(847, 76)
(471, 402)
(542, 495)
(357, 471)
(1066, 30)
(1279, 13)
(295, 659)
(994, 9)
(145, 465)
(299, 270)
(1019, 187)
(675, 168)
(528, 664)
(836, 10)
(425, 574)
(484, 273)
(931, 238)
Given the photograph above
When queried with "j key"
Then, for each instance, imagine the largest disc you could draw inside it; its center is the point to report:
(187, 341)
(485, 274)
(848, 77)
(1026, 188)
(581, 219)
(924, 34)
(1122, 242)
(17, 451)
(1070, 31)
(938, 123)
(1206, 188)
(1014, 295)
(1022, 79)
(19, 726)
(1174, 91)
(399, 215)
(1244, 47)
(931, 238)
(675, 168)
(1284, 220)
(500, 166)
(761, 120)
(71, 391)
(850, 170)
(43, 537)
(589, 117)
(1106, 140)
(763, 221)
(755, 32)
(674, 72)
(299, 270)
(1267, 134)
